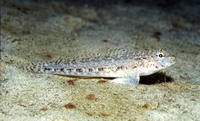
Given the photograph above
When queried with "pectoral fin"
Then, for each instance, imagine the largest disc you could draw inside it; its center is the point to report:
(127, 80)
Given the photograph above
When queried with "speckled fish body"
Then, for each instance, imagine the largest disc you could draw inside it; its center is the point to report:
(125, 66)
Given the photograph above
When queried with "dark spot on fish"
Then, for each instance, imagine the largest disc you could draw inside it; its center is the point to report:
(48, 68)
(137, 59)
(100, 69)
(61, 69)
(120, 67)
(144, 57)
(79, 70)
(58, 61)
(90, 70)
(70, 70)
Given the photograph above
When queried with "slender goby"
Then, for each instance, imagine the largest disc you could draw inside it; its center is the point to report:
(125, 66)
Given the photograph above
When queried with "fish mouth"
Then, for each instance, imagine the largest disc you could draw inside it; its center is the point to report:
(169, 61)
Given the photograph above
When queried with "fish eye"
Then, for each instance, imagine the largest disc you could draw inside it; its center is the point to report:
(161, 55)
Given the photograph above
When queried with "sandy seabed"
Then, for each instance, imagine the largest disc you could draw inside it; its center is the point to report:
(52, 30)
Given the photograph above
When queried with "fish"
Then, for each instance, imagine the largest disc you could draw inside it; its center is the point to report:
(125, 67)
